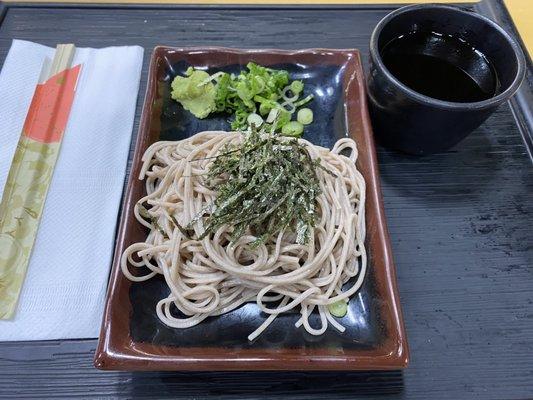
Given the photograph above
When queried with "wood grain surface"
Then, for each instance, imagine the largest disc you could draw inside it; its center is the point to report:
(460, 225)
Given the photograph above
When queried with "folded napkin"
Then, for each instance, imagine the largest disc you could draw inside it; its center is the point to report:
(63, 294)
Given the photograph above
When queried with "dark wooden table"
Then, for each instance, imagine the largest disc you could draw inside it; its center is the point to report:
(460, 222)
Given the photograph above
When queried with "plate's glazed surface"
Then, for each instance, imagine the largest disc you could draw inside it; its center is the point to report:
(133, 338)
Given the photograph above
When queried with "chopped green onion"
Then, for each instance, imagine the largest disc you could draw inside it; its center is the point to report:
(272, 115)
(305, 100)
(213, 77)
(297, 87)
(254, 119)
(289, 107)
(288, 99)
(339, 308)
(283, 117)
(305, 116)
(264, 108)
(293, 128)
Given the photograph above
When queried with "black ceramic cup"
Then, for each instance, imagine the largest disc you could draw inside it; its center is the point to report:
(414, 123)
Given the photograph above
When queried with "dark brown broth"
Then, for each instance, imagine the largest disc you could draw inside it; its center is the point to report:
(440, 66)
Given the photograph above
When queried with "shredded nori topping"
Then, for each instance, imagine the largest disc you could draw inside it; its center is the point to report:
(265, 184)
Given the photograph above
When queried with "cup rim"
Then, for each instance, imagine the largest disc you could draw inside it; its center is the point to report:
(449, 105)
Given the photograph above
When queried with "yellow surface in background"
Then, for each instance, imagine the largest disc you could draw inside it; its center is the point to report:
(520, 10)
(522, 13)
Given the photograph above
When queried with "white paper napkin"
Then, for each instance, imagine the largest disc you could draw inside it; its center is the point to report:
(63, 294)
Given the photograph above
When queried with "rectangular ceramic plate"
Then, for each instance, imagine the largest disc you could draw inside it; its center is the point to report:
(133, 338)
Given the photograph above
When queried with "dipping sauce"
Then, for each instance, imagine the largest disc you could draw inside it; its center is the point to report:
(443, 67)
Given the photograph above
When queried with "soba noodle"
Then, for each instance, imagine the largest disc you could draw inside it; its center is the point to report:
(212, 276)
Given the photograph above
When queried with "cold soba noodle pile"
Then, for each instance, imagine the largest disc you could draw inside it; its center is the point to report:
(286, 259)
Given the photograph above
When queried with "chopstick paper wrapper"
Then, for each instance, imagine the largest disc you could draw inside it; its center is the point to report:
(31, 172)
